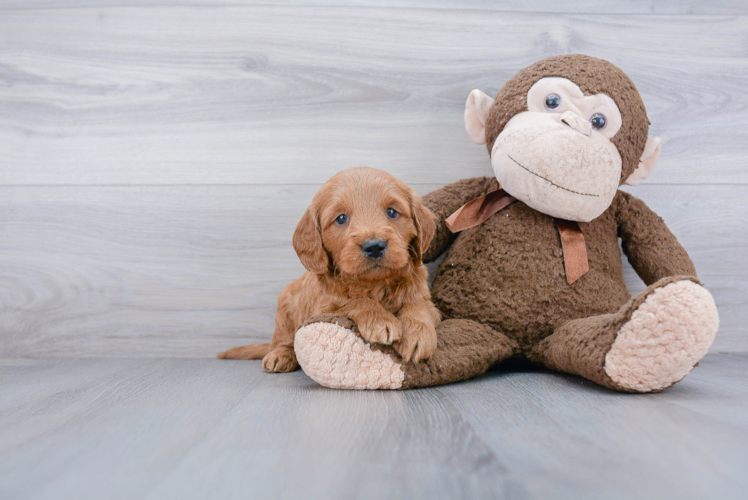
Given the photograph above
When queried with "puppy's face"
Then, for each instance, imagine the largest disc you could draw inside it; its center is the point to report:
(366, 224)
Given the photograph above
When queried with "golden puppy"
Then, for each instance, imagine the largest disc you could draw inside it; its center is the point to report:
(361, 240)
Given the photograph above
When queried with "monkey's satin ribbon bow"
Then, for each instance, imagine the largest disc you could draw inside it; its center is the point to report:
(480, 209)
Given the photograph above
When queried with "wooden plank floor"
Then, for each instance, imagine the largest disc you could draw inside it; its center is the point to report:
(170, 428)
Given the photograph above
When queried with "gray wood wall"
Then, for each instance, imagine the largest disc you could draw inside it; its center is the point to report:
(154, 159)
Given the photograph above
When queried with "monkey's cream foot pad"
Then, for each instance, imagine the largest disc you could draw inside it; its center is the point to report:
(665, 337)
(335, 357)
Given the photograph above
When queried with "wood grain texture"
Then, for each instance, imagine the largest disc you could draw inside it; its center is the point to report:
(192, 270)
(161, 429)
(155, 160)
(578, 6)
(289, 94)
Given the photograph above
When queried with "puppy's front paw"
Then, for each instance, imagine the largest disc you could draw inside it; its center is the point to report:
(380, 328)
(280, 359)
(418, 342)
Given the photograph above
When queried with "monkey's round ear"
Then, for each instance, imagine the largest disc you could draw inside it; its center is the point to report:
(647, 162)
(476, 113)
(307, 241)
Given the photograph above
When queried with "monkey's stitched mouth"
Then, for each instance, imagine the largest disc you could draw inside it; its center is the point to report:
(550, 181)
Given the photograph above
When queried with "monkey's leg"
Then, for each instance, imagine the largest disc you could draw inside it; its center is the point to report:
(651, 343)
(331, 351)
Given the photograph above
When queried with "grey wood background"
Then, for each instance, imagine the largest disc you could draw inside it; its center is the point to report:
(201, 428)
(154, 159)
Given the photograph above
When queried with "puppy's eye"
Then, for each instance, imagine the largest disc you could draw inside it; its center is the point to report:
(341, 219)
(392, 213)
(598, 121)
(552, 102)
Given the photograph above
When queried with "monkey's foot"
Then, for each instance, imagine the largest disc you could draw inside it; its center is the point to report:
(667, 334)
(333, 354)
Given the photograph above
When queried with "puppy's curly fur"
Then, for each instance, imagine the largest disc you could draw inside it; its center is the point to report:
(387, 295)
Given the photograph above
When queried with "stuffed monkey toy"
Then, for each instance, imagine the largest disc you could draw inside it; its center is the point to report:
(533, 267)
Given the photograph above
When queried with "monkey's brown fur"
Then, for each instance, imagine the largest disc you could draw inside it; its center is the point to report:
(388, 297)
(502, 286)
(508, 273)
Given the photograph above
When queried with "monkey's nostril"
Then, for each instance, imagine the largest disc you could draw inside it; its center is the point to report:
(374, 248)
(569, 121)
(576, 123)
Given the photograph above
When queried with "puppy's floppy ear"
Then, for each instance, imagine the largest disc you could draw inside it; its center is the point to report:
(425, 228)
(307, 241)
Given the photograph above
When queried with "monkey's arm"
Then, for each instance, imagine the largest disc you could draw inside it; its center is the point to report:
(444, 202)
(651, 248)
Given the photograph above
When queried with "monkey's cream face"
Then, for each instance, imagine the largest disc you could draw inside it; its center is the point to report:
(557, 157)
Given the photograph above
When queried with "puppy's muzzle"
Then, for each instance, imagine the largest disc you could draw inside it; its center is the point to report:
(374, 249)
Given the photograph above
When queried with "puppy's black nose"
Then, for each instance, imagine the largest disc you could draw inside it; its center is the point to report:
(374, 248)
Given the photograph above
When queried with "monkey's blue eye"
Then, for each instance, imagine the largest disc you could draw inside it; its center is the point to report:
(392, 213)
(342, 219)
(598, 121)
(552, 102)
